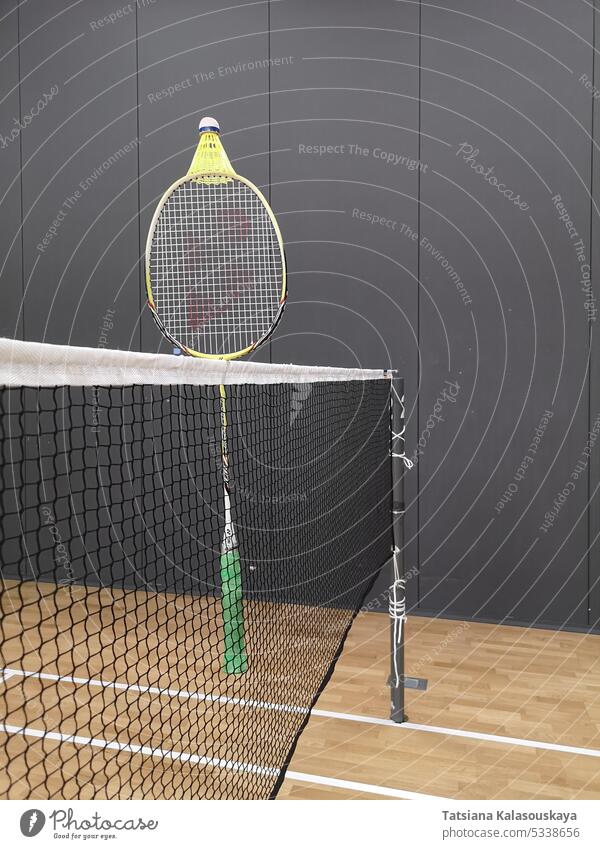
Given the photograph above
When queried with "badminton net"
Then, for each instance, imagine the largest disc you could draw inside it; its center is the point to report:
(112, 634)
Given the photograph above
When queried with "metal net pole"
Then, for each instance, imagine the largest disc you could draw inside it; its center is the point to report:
(397, 598)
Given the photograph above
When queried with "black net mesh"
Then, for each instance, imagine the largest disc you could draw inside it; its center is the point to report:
(114, 682)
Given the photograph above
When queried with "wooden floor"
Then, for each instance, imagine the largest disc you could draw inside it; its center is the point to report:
(530, 685)
(112, 693)
(541, 686)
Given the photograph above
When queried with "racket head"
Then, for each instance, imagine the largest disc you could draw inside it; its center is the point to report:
(215, 266)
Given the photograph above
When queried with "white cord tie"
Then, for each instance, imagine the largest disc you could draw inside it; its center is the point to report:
(397, 608)
(399, 437)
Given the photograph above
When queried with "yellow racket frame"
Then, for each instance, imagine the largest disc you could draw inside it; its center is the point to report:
(209, 152)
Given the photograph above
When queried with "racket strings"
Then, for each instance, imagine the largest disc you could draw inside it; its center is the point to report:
(216, 267)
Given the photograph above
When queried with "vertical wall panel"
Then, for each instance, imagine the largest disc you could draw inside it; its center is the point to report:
(344, 141)
(11, 276)
(200, 60)
(594, 503)
(80, 173)
(501, 90)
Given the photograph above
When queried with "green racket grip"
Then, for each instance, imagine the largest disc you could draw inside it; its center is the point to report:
(235, 661)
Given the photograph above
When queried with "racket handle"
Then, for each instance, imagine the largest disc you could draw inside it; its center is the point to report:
(236, 660)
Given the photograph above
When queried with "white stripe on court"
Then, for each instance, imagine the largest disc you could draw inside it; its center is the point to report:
(457, 732)
(158, 691)
(216, 762)
(8, 673)
(359, 787)
(139, 750)
(327, 714)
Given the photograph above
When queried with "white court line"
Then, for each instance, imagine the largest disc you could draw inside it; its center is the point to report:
(139, 750)
(216, 762)
(8, 673)
(348, 717)
(457, 732)
(360, 787)
(138, 688)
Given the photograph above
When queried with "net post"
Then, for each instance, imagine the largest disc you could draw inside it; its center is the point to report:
(397, 601)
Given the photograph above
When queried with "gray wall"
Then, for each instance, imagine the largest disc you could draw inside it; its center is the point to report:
(428, 118)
